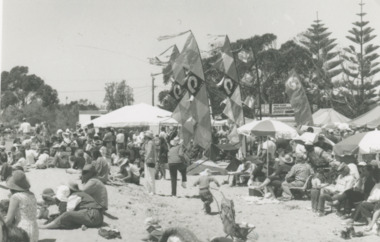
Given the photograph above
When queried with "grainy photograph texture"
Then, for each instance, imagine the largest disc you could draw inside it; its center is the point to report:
(190, 121)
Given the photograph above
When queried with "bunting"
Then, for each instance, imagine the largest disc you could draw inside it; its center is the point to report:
(298, 100)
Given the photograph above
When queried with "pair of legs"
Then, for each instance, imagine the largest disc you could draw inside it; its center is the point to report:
(364, 209)
(150, 183)
(207, 199)
(349, 198)
(325, 196)
(161, 170)
(173, 168)
(287, 185)
(314, 195)
(91, 218)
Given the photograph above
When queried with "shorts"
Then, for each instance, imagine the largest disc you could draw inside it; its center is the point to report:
(206, 196)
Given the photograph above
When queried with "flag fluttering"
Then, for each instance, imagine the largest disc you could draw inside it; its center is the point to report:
(298, 100)
(230, 84)
(192, 111)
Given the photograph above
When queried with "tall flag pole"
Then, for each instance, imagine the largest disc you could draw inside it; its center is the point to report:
(231, 88)
(298, 100)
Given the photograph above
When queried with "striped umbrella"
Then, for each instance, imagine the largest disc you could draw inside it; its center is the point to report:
(362, 143)
(270, 127)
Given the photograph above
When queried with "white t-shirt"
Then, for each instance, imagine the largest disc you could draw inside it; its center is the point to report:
(134, 169)
(42, 159)
(120, 138)
(31, 156)
(25, 127)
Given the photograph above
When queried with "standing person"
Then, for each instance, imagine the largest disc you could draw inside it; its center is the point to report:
(25, 127)
(175, 161)
(22, 210)
(149, 152)
(120, 140)
(204, 181)
(163, 157)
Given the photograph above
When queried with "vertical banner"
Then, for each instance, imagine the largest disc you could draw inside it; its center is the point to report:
(298, 100)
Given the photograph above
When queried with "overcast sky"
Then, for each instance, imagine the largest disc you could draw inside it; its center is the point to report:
(77, 46)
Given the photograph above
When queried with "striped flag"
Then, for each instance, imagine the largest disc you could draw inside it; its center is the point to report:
(298, 100)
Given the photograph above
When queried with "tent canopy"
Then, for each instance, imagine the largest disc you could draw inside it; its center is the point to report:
(328, 116)
(136, 115)
(371, 117)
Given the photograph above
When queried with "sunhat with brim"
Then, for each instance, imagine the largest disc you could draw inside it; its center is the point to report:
(206, 172)
(63, 193)
(362, 163)
(288, 159)
(48, 193)
(88, 167)
(18, 182)
(56, 146)
(74, 186)
(149, 134)
(98, 142)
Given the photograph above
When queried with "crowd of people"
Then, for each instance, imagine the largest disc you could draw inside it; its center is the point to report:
(132, 153)
(350, 184)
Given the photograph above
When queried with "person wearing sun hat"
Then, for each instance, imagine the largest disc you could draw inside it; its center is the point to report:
(176, 163)
(82, 209)
(204, 180)
(22, 210)
(274, 181)
(150, 157)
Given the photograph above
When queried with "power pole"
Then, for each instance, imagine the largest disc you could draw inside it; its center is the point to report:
(152, 89)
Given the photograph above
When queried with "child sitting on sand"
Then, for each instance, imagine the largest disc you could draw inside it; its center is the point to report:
(204, 189)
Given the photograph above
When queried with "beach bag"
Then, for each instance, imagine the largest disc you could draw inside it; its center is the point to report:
(109, 233)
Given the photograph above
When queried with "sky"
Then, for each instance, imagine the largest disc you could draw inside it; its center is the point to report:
(77, 46)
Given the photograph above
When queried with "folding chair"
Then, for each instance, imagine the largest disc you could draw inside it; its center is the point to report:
(230, 227)
(300, 192)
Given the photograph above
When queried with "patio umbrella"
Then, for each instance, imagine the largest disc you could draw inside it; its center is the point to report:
(270, 127)
(362, 143)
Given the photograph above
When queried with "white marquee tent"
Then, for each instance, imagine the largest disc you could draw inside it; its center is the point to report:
(133, 116)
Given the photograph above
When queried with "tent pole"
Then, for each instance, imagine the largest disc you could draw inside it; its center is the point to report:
(267, 157)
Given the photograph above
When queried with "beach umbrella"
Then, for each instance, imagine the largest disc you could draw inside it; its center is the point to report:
(361, 143)
(270, 127)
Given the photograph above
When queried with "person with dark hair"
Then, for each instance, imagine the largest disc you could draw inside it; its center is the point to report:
(361, 189)
(366, 208)
(162, 157)
(101, 166)
(310, 130)
(94, 186)
(22, 210)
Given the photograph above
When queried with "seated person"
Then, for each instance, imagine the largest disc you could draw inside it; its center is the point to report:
(297, 176)
(82, 209)
(50, 198)
(344, 182)
(367, 207)
(20, 161)
(360, 190)
(61, 158)
(43, 160)
(278, 177)
(243, 169)
(128, 172)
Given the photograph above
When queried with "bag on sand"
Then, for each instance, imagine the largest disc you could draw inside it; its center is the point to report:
(109, 233)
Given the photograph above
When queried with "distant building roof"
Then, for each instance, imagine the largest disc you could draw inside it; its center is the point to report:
(93, 112)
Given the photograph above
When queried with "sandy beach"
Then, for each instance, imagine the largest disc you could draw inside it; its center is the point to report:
(131, 205)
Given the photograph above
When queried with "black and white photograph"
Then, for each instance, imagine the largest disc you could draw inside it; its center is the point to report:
(190, 121)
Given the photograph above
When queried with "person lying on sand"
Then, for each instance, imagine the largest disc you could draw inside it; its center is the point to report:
(82, 209)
